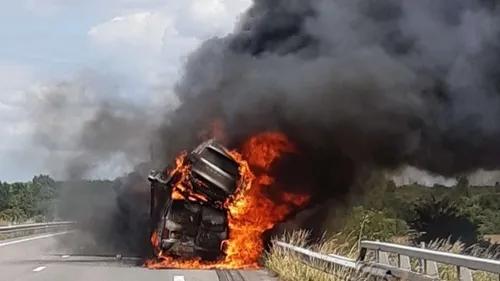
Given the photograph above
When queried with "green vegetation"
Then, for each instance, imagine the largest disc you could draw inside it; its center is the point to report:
(388, 210)
(453, 219)
(289, 267)
(40, 199)
(465, 213)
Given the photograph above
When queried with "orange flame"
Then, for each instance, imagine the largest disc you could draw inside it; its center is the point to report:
(180, 190)
(216, 131)
(250, 211)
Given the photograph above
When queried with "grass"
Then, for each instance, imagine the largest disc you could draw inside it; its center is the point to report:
(493, 238)
(288, 266)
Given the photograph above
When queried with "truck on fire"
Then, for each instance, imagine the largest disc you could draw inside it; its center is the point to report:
(192, 221)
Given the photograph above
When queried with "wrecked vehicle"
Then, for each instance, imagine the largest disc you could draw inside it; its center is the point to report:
(191, 221)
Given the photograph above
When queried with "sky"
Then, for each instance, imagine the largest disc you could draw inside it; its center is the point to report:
(138, 44)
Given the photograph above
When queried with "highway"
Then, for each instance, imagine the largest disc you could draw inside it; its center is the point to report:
(42, 258)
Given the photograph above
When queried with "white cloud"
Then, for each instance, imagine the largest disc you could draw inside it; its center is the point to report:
(153, 43)
(133, 43)
(14, 79)
(139, 32)
(410, 175)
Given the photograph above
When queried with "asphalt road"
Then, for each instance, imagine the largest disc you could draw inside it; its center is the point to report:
(41, 258)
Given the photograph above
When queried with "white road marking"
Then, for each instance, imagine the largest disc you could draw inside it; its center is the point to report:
(32, 238)
(39, 268)
(178, 278)
(65, 256)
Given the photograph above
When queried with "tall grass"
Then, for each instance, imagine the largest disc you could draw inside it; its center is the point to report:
(288, 266)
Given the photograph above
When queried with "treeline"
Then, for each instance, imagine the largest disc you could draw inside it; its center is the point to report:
(460, 212)
(44, 199)
(424, 214)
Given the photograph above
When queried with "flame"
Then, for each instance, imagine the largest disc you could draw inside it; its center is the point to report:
(250, 211)
(180, 190)
(216, 131)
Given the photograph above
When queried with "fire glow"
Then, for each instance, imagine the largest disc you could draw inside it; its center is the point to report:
(250, 211)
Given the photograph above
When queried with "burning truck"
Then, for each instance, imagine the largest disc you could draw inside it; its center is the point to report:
(210, 207)
(187, 210)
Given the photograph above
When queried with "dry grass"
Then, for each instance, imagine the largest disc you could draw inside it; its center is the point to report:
(448, 272)
(288, 266)
(493, 238)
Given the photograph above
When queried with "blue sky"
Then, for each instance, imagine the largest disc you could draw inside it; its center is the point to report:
(50, 43)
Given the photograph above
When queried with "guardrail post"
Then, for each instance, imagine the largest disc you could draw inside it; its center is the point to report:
(464, 274)
(362, 254)
(423, 264)
(432, 269)
(383, 258)
(428, 267)
(377, 254)
(404, 262)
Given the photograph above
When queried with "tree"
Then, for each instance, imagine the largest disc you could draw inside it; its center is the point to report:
(30, 200)
(45, 194)
(5, 192)
(391, 186)
(462, 186)
(370, 224)
(442, 219)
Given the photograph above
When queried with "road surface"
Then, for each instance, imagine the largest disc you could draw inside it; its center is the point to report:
(41, 258)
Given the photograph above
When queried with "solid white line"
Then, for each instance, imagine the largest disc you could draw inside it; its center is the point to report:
(39, 268)
(32, 238)
(178, 278)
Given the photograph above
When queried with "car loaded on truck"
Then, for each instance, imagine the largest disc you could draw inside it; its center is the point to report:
(191, 221)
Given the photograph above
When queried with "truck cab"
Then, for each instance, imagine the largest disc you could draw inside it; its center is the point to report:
(194, 228)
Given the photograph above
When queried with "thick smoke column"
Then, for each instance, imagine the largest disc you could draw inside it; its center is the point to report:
(386, 84)
(352, 82)
(83, 123)
(85, 127)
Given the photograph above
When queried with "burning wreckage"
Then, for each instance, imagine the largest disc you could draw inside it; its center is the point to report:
(208, 209)
(211, 208)
(187, 203)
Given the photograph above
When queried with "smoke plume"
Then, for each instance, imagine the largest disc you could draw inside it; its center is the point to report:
(353, 83)
(86, 127)
(388, 84)
(84, 124)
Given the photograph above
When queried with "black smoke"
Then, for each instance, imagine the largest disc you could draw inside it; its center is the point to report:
(353, 83)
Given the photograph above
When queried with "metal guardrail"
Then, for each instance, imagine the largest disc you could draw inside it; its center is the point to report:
(33, 227)
(331, 263)
(429, 259)
(382, 267)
